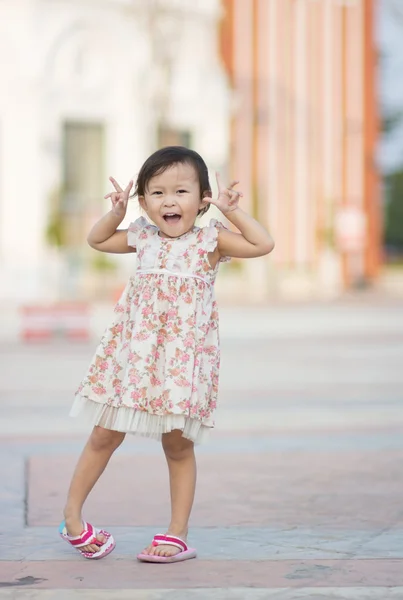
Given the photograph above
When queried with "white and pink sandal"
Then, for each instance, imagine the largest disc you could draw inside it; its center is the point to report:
(169, 540)
(86, 537)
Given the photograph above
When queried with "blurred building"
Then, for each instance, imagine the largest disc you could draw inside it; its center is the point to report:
(90, 89)
(304, 133)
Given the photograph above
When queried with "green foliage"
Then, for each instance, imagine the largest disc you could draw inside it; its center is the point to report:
(102, 263)
(255, 201)
(391, 121)
(54, 232)
(234, 266)
(394, 210)
(328, 237)
(326, 234)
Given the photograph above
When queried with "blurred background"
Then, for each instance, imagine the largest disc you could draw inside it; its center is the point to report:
(302, 101)
(299, 99)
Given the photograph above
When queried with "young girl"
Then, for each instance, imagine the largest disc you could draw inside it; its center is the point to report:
(155, 372)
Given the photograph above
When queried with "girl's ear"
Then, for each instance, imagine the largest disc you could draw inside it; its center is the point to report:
(204, 203)
(142, 203)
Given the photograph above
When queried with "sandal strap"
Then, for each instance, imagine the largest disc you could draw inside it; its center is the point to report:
(86, 537)
(169, 540)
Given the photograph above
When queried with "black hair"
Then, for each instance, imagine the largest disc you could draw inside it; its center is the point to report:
(167, 157)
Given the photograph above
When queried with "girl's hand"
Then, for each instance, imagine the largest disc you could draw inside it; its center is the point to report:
(228, 198)
(119, 198)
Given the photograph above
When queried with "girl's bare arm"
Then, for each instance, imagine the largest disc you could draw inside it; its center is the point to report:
(106, 237)
(252, 241)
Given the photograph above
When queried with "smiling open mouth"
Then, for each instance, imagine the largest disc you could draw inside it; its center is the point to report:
(172, 218)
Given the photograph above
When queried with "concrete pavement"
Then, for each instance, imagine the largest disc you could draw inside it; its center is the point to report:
(300, 487)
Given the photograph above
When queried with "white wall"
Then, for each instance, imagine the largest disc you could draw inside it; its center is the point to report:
(90, 61)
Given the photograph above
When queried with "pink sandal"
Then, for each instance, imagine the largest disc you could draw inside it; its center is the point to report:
(88, 536)
(169, 540)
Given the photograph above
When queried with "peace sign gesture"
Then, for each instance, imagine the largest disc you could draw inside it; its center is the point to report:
(228, 198)
(119, 198)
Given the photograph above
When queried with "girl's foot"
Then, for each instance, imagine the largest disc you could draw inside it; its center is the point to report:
(74, 528)
(164, 550)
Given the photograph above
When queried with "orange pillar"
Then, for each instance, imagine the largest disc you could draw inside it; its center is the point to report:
(372, 195)
(343, 199)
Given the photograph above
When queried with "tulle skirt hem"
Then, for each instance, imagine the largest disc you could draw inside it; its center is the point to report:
(138, 422)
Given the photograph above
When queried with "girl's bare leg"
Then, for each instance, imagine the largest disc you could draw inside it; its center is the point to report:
(179, 453)
(96, 454)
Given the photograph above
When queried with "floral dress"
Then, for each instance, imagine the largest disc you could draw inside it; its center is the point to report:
(156, 367)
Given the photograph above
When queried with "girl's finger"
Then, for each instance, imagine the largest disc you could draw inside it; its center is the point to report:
(129, 187)
(108, 196)
(232, 184)
(115, 184)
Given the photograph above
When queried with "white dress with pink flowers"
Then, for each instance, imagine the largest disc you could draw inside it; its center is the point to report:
(156, 367)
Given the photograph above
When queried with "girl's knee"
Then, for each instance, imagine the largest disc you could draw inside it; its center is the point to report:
(102, 439)
(175, 446)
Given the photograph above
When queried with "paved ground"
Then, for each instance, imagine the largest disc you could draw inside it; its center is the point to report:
(300, 487)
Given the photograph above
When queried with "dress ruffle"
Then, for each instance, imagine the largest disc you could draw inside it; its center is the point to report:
(142, 423)
(211, 237)
(134, 229)
(209, 240)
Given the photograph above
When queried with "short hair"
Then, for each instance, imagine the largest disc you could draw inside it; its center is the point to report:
(167, 157)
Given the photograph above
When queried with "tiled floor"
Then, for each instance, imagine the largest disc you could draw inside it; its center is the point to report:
(299, 490)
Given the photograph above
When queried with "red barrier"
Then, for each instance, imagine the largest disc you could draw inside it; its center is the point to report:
(45, 322)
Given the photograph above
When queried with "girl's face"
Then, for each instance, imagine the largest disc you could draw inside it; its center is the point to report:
(172, 200)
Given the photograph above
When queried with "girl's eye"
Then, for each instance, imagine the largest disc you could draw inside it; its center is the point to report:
(156, 193)
(182, 191)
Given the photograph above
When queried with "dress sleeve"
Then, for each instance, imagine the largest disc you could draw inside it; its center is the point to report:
(134, 229)
(211, 237)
